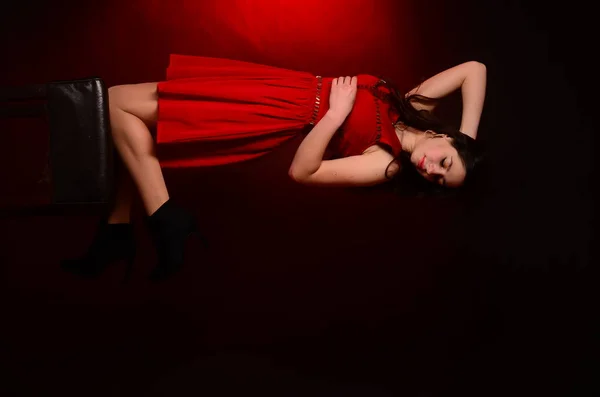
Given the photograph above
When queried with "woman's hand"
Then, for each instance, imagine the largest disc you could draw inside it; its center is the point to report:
(342, 96)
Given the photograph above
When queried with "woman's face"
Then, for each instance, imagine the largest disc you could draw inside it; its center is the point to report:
(438, 161)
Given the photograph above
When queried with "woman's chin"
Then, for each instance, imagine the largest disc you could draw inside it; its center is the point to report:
(414, 161)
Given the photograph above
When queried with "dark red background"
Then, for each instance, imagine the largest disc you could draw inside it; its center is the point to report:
(377, 293)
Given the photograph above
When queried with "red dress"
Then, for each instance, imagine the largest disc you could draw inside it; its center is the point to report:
(215, 111)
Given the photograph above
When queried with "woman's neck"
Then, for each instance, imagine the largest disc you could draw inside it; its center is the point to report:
(408, 136)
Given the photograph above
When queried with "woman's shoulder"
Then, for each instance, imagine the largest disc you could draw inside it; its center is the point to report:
(387, 158)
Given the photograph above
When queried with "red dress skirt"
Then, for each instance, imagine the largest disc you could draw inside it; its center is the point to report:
(214, 111)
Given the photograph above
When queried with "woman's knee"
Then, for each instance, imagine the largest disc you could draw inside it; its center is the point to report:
(114, 95)
(140, 100)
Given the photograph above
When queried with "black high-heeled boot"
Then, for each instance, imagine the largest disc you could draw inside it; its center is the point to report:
(112, 242)
(170, 226)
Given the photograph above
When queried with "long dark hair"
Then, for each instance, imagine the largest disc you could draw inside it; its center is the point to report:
(468, 148)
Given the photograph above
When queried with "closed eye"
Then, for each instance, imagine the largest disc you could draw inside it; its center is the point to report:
(449, 163)
(442, 180)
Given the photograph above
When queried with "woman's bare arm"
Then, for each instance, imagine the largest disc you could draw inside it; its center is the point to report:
(361, 170)
(471, 78)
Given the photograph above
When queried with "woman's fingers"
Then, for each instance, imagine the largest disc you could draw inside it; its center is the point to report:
(344, 80)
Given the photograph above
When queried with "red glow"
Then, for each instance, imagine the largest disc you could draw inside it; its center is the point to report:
(332, 36)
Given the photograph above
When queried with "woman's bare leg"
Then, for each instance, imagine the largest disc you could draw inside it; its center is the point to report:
(133, 112)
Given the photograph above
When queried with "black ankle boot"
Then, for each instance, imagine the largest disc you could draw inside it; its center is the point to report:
(112, 242)
(170, 226)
